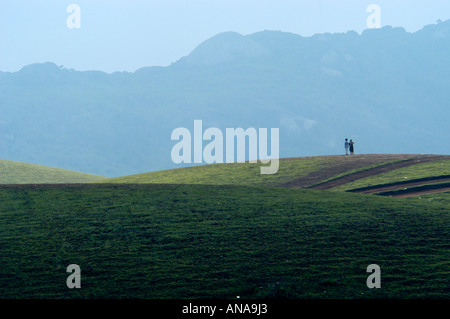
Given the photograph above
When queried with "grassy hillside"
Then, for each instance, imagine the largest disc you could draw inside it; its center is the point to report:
(12, 172)
(442, 198)
(340, 173)
(164, 235)
(193, 241)
(417, 171)
(247, 174)
(244, 174)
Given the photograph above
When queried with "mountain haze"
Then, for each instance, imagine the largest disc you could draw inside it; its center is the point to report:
(386, 88)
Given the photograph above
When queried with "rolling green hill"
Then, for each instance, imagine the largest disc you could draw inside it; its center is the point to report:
(419, 170)
(248, 174)
(12, 172)
(221, 231)
(243, 174)
(206, 241)
(340, 173)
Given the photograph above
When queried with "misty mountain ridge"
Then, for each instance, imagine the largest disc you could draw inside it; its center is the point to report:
(385, 88)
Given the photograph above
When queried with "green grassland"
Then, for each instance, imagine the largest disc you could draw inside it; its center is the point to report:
(420, 170)
(442, 198)
(12, 172)
(244, 174)
(221, 231)
(294, 169)
(205, 241)
(248, 174)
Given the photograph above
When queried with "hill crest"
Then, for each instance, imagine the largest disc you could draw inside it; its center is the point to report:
(12, 172)
(316, 172)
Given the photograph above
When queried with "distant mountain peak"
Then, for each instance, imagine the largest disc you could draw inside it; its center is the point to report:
(41, 67)
(225, 47)
(439, 30)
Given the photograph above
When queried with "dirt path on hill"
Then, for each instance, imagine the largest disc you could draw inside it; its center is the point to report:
(417, 191)
(415, 194)
(345, 163)
(401, 185)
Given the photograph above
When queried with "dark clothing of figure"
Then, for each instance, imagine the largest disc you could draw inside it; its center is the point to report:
(351, 146)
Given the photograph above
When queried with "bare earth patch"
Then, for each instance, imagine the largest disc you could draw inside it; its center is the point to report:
(345, 163)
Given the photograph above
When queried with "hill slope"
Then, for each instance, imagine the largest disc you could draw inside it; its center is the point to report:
(320, 172)
(12, 172)
(196, 241)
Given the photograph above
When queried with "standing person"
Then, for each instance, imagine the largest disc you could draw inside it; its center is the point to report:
(351, 147)
(346, 146)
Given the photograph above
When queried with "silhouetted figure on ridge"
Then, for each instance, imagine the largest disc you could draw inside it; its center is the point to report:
(351, 147)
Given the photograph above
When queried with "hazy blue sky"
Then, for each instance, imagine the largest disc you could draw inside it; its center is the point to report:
(129, 34)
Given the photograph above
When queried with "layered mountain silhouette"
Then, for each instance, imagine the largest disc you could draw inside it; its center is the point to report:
(385, 88)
